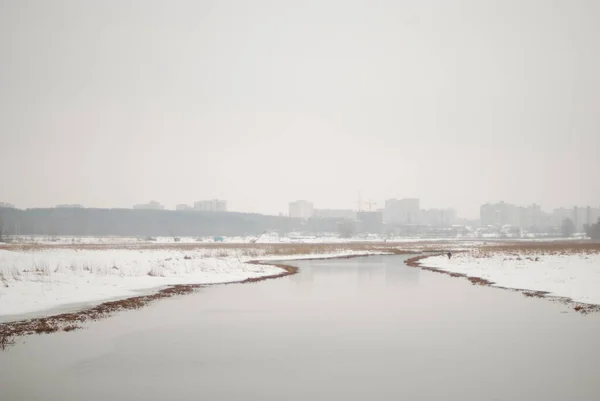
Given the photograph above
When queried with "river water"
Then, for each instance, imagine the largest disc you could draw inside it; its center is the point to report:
(348, 329)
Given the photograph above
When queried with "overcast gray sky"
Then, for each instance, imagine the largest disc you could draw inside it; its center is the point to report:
(111, 103)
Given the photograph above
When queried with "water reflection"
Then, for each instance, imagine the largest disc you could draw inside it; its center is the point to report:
(373, 271)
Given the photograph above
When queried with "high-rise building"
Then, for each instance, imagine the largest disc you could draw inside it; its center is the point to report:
(301, 209)
(438, 217)
(532, 216)
(370, 222)
(588, 215)
(402, 211)
(500, 214)
(580, 216)
(7, 205)
(212, 205)
(576, 218)
(558, 215)
(584, 216)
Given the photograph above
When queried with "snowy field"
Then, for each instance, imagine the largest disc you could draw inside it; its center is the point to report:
(574, 275)
(268, 238)
(43, 279)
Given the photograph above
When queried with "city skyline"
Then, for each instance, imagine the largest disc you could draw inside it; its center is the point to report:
(315, 209)
(351, 203)
(441, 101)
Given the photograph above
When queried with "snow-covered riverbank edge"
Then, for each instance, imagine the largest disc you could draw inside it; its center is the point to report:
(68, 287)
(570, 277)
(36, 283)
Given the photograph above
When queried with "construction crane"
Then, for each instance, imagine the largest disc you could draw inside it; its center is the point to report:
(369, 203)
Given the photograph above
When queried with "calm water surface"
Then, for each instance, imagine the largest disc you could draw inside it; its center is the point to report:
(354, 329)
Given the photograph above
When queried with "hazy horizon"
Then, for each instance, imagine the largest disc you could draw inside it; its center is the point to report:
(458, 103)
(365, 207)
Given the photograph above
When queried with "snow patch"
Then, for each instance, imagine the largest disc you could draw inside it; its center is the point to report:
(575, 276)
(46, 279)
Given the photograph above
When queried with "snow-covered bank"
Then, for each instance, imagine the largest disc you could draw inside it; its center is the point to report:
(46, 279)
(575, 275)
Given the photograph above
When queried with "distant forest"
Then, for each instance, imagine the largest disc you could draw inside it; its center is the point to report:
(128, 222)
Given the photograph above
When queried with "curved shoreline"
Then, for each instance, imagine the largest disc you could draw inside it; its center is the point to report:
(70, 321)
(10, 331)
(580, 307)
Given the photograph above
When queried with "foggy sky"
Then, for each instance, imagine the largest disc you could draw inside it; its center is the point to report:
(111, 103)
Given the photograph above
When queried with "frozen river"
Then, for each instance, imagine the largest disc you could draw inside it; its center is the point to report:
(348, 329)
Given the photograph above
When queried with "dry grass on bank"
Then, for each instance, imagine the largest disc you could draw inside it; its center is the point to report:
(254, 250)
(536, 248)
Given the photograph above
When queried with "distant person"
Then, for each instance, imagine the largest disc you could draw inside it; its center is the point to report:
(449, 255)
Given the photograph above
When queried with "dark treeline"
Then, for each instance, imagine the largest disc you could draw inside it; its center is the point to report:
(128, 222)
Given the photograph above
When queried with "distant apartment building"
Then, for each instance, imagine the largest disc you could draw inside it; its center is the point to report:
(402, 211)
(592, 214)
(212, 205)
(301, 209)
(499, 214)
(533, 218)
(438, 217)
(559, 214)
(183, 206)
(67, 206)
(370, 222)
(577, 217)
(152, 205)
(581, 216)
(7, 205)
(334, 214)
